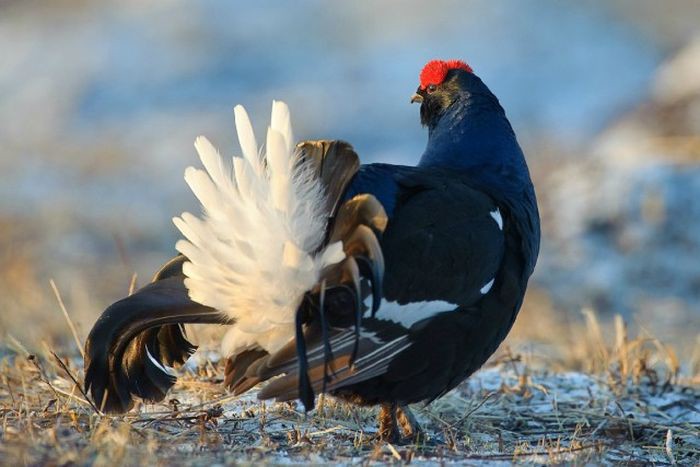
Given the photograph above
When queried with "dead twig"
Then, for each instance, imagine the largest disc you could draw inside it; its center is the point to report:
(75, 381)
(73, 330)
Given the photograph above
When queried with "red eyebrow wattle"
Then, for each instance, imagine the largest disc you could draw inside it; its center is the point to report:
(434, 71)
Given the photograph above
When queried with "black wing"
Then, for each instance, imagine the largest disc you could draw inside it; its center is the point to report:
(444, 245)
(444, 242)
(466, 249)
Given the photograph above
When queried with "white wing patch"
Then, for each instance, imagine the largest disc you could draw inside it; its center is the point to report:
(410, 313)
(251, 253)
(485, 289)
(496, 214)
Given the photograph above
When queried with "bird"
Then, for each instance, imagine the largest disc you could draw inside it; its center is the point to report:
(379, 284)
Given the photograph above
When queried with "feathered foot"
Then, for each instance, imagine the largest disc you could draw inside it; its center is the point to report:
(410, 428)
(388, 426)
(397, 425)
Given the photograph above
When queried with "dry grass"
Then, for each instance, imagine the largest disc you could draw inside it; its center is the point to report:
(633, 404)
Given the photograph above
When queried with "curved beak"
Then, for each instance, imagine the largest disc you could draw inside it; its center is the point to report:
(416, 98)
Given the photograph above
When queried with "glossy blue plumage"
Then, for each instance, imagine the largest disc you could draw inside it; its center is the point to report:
(473, 137)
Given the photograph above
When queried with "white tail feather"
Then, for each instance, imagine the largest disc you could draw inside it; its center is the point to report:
(251, 255)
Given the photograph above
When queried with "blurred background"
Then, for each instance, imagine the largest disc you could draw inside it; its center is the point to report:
(100, 103)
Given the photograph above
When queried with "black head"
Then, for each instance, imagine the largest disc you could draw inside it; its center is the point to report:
(441, 84)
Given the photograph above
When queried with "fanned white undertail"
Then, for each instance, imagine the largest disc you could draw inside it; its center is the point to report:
(253, 253)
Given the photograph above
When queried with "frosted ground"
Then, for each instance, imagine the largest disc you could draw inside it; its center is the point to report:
(631, 408)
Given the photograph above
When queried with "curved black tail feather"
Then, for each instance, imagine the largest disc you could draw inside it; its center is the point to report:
(132, 341)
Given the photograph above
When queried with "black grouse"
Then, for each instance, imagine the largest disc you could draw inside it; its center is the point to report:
(379, 284)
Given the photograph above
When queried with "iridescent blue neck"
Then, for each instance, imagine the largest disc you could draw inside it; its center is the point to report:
(473, 132)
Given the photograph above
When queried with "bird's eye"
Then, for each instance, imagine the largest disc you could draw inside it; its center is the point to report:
(431, 88)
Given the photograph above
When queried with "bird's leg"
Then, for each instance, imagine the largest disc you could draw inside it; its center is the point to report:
(388, 429)
(410, 428)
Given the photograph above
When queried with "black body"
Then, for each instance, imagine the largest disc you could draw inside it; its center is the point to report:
(453, 239)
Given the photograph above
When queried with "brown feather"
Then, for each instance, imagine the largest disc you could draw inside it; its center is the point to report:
(285, 388)
(237, 365)
(360, 210)
(335, 163)
(245, 384)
